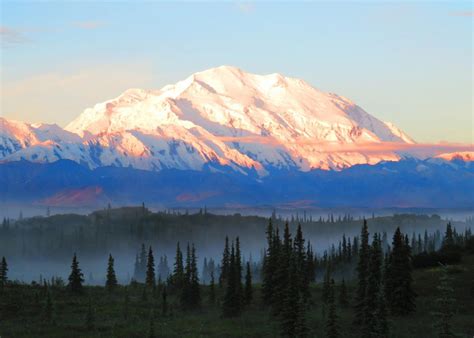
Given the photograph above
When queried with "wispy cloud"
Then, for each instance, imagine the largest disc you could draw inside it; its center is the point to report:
(418, 149)
(10, 36)
(88, 24)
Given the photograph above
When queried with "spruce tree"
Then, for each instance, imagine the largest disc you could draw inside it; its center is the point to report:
(225, 264)
(332, 329)
(381, 326)
(343, 296)
(269, 265)
(151, 328)
(150, 270)
(126, 306)
(231, 306)
(248, 292)
(282, 271)
(194, 293)
(178, 272)
(444, 311)
(111, 282)
(398, 290)
(373, 289)
(362, 274)
(3, 273)
(76, 278)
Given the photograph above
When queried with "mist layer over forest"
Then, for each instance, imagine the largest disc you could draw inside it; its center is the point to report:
(42, 247)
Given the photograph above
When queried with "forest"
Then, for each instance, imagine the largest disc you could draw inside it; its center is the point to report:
(194, 275)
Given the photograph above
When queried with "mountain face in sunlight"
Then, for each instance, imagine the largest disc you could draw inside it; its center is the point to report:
(219, 118)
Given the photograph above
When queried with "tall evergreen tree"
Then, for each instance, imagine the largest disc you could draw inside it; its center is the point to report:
(225, 264)
(150, 280)
(195, 294)
(282, 271)
(76, 278)
(178, 272)
(343, 296)
(3, 273)
(373, 289)
(111, 281)
(248, 292)
(362, 274)
(269, 264)
(398, 289)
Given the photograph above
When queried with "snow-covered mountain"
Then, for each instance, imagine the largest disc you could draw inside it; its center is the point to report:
(221, 117)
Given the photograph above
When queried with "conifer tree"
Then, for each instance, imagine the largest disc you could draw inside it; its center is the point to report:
(237, 271)
(448, 240)
(3, 273)
(332, 329)
(282, 271)
(111, 281)
(343, 296)
(150, 269)
(76, 278)
(381, 325)
(231, 306)
(373, 289)
(362, 274)
(195, 294)
(225, 264)
(398, 290)
(444, 311)
(178, 272)
(326, 285)
(248, 292)
(269, 264)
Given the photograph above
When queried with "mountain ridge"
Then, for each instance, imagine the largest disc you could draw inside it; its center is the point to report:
(222, 116)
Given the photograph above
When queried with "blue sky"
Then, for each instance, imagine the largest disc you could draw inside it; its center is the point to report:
(409, 63)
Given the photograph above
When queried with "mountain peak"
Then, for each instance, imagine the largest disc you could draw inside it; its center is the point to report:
(229, 117)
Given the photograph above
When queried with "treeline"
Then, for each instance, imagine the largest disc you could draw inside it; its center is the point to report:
(123, 230)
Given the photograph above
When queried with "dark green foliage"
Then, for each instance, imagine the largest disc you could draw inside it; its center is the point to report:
(362, 274)
(232, 304)
(150, 280)
(398, 280)
(3, 272)
(76, 278)
(151, 327)
(332, 329)
(190, 296)
(225, 264)
(248, 291)
(111, 281)
(343, 296)
(177, 279)
(270, 263)
(444, 311)
(369, 318)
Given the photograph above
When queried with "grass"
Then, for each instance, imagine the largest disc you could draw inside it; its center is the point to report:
(22, 311)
